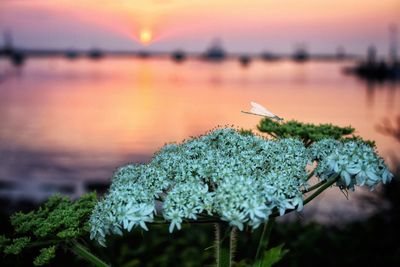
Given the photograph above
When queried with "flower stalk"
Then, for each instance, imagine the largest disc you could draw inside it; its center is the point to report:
(224, 244)
(264, 239)
(311, 188)
(323, 187)
(84, 253)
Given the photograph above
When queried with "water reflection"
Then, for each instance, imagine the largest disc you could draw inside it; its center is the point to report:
(75, 121)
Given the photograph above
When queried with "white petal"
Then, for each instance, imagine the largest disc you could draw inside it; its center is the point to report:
(143, 225)
(346, 176)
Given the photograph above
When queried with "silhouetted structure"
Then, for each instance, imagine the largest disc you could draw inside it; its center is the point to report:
(215, 52)
(373, 69)
(17, 57)
(8, 47)
(178, 56)
(95, 53)
(371, 55)
(300, 54)
(244, 60)
(393, 44)
(143, 54)
(340, 53)
(71, 54)
(380, 71)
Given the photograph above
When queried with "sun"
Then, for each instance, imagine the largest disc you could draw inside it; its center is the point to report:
(145, 36)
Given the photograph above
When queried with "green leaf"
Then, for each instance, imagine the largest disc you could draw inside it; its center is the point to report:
(46, 254)
(84, 252)
(272, 256)
(307, 132)
(246, 132)
(57, 222)
(3, 242)
(17, 246)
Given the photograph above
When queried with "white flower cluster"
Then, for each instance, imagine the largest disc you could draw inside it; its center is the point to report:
(354, 162)
(237, 178)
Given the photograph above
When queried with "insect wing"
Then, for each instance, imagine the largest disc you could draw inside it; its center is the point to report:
(260, 110)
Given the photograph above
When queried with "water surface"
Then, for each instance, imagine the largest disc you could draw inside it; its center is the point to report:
(70, 122)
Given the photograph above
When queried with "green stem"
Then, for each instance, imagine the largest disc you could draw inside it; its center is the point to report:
(327, 184)
(308, 142)
(314, 187)
(273, 135)
(224, 243)
(310, 175)
(264, 239)
(83, 252)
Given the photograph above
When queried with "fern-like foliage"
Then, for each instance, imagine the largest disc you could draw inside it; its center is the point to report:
(307, 132)
(56, 223)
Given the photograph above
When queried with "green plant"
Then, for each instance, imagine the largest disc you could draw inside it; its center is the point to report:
(308, 132)
(234, 180)
(58, 223)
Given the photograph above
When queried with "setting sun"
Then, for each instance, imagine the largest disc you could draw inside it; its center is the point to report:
(145, 36)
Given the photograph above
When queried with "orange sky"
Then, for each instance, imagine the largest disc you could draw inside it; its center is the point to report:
(192, 24)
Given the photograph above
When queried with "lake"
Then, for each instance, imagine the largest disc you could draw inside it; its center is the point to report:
(68, 123)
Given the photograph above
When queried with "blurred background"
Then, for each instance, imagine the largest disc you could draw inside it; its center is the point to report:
(87, 86)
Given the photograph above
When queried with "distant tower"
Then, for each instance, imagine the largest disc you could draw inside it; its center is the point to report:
(7, 39)
(371, 55)
(393, 43)
(8, 44)
(17, 57)
(340, 52)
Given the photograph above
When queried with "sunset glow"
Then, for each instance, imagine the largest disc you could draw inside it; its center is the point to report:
(145, 36)
(242, 26)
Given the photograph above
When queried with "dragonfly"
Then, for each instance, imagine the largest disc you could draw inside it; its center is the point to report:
(259, 110)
